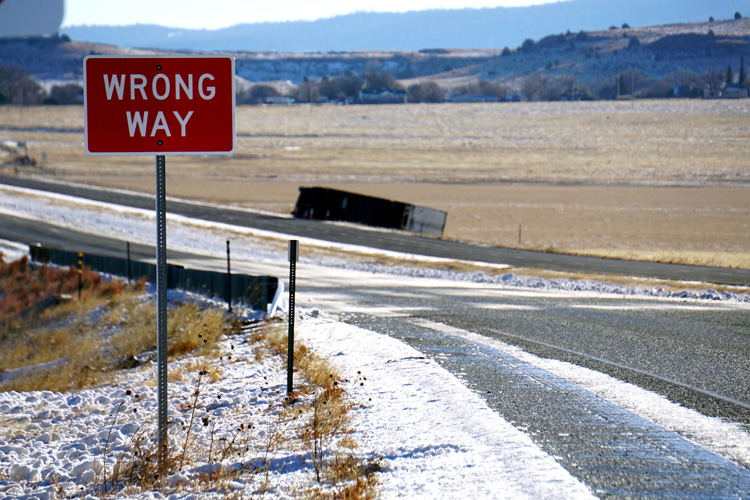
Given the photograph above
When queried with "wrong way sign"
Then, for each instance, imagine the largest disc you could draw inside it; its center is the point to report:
(159, 105)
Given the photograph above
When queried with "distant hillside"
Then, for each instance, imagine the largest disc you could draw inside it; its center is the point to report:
(459, 29)
(641, 61)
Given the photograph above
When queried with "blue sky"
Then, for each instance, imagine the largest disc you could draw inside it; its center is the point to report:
(221, 13)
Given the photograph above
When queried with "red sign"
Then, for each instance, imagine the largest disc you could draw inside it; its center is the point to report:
(159, 105)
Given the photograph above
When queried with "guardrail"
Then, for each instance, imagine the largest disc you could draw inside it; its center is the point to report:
(254, 291)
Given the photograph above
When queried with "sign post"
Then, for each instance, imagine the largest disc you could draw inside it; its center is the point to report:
(161, 303)
(293, 258)
(159, 105)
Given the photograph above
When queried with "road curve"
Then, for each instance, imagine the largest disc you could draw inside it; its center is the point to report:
(395, 241)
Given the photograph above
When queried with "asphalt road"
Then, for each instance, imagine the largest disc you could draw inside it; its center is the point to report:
(397, 241)
(695, 353)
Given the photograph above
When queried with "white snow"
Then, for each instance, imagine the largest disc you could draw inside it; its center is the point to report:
(434, 437)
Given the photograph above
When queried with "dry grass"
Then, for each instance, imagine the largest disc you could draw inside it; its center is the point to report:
(313, 423)
(84, 343)
(319, 409)
(634, 178)
(66, 346)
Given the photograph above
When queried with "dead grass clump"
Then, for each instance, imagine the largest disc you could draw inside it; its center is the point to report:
(192, 328)
(141, 466)
(321, 407)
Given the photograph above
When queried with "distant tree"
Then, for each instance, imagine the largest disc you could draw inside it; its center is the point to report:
(416, 93)
(737, 15)
(630, 82)
(634, 43)
(257, 94)
(730, 75)
(711, 19)
(341, 88)
(17, 87)
(605, 87)
(70, 93)
(713, 79)
(425, 92)
(528, 45)
(686, 77)
(483, 87)
(506, 52)
(540, 87)
(742, 77)
(625, 26)
(381, 80)
(656, 88)
(536, 87)
(306, 92)
(582, 36)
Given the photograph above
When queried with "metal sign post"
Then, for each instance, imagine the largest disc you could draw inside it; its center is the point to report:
(293, 258)
(161, 301)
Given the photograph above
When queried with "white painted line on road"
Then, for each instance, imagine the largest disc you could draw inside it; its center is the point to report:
(654, 307)
(506, 307)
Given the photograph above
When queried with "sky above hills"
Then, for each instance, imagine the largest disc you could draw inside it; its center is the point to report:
(200, 14)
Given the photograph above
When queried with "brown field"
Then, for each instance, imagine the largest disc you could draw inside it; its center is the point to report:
(664, 180)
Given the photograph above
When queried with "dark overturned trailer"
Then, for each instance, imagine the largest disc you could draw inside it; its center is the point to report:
(331, 204)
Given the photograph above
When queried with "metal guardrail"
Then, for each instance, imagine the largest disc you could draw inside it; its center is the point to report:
(254, 291)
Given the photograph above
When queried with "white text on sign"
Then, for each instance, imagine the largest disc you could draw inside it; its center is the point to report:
(161, 88)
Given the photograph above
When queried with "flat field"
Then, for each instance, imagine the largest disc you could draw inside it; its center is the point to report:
(662, 180)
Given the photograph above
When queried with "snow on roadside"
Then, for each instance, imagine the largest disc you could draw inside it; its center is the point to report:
(432, 435)
(437, 439)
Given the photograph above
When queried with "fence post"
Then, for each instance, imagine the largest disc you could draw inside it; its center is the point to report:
(127, 244)
(80, 274)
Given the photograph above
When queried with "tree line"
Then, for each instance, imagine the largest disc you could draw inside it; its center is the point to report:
(19, 88)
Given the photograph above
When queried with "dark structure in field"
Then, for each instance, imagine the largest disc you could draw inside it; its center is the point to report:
(331, 204)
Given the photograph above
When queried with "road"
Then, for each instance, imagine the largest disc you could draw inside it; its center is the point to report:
(397, 241)
(695, 353)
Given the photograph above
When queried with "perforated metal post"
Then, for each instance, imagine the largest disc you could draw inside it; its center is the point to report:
(293, 258)
(229, 280)
(161, 303)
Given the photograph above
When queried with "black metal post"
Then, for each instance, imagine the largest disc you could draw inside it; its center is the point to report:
(293, 258)
(229, 280)
(127, 246)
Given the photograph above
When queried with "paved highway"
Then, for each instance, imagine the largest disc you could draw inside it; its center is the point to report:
(694, 353)
(397, 241)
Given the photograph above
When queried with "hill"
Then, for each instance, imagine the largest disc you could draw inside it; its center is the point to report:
(488, 28)
(642, 61)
